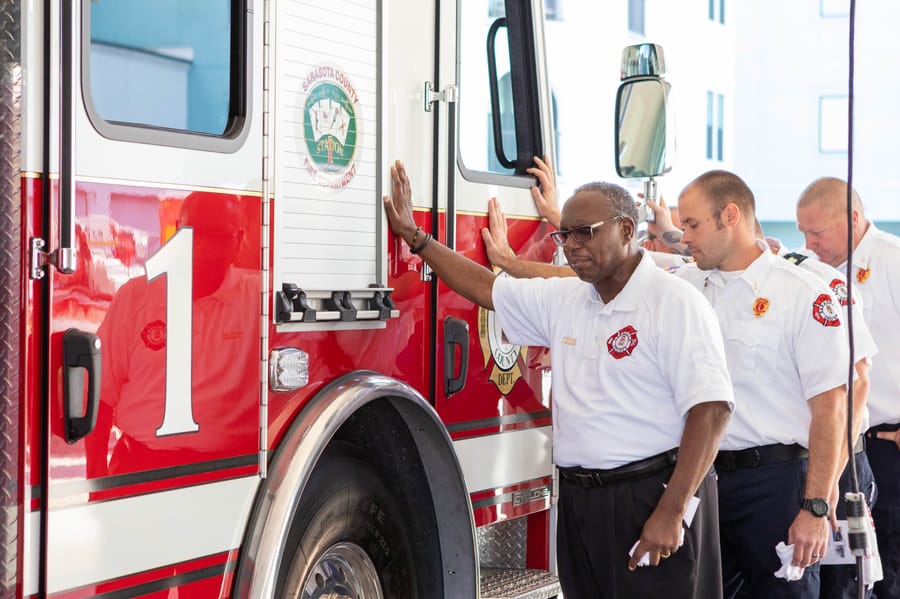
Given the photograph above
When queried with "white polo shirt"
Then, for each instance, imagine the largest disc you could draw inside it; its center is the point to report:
(625, 373)
(864, 346)
(876, 269)
(785, 342)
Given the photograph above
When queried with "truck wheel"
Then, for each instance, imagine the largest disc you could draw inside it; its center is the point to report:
(350, 537)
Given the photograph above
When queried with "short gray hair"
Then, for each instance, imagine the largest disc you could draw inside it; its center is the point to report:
(618, 200)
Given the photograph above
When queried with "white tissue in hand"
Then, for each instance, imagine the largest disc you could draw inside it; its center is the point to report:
(786, 555)
(645, 559)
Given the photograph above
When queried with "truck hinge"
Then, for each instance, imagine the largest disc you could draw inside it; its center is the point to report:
(63, 259)
(449, 94)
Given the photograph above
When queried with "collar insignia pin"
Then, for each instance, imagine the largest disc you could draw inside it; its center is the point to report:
(862, 275)
(760, 306)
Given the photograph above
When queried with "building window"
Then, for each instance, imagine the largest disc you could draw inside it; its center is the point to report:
(715, 126)
(833, 124)
(717, 11)
(709, 125)
(720, 126)
(834, 8)
(636, 16)
(553, 10)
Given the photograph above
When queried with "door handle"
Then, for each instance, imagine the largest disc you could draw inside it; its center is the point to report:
(456, 333)
(81, 359)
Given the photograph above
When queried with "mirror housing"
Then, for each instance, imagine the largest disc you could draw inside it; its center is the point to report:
(644, 134)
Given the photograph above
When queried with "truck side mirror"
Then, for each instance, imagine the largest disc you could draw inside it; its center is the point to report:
(643, 132)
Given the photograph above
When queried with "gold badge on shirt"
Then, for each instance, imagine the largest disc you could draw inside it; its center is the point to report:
(862, 275)
(760, 306)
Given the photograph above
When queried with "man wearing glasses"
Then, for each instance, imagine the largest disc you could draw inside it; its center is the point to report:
(636, 425)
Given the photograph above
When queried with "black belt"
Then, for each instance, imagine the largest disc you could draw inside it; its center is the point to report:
(891, 428)
(758, 456)
(588, 477)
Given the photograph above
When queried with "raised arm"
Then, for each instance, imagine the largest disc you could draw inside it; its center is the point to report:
(496, 245)
(544, 193)
(467, 278)
(663, 227)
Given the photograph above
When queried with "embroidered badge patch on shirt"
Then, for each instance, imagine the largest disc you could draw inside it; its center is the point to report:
(622, 342)
(824, 312)
(760, 306)
(154, 335)
(862, 275)
(839, 288)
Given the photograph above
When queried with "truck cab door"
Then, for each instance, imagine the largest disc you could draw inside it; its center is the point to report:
(153, 332)
(488, 390)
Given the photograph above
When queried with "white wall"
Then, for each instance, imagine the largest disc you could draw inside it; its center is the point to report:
(781, 81)
(584, 63)
(772, 60)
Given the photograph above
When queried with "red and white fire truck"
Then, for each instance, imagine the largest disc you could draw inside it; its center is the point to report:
(222, 376)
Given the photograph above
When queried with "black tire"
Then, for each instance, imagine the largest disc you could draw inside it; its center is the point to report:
(347, 507)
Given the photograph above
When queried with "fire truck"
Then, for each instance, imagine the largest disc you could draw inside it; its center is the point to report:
(222, 376)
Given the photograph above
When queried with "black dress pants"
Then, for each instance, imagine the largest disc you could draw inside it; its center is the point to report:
(597, 526)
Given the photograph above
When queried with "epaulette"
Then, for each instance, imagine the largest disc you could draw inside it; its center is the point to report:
(795, 258)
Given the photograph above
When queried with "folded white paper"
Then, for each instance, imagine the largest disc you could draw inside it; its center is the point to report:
(689, 512)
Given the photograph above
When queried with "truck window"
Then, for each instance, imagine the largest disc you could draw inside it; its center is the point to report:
(167, 64)
(482, 25)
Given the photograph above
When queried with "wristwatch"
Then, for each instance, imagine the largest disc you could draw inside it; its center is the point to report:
(816, 506)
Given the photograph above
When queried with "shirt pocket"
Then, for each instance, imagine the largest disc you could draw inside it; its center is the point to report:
(752, 351)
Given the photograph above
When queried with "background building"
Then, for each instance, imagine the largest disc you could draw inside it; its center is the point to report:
(759, 88)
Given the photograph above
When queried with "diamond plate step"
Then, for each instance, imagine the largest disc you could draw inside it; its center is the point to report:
(503, 583)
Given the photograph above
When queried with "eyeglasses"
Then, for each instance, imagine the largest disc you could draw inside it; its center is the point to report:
(581, 234)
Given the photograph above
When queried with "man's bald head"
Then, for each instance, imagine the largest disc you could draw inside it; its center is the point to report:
(822, 218)
(830, 194)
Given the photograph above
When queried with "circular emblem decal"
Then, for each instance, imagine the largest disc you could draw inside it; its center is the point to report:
(507, 367)
(760, 306)
(839, 288)
(154, 335)
(824, 311)
(622, 342)
(330, 127)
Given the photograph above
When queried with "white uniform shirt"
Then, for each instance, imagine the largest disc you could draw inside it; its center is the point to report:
(876, 268)
(785, 344)
(625, 373)
(864, 346)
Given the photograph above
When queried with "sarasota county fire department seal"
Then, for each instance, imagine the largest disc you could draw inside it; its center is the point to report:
(839, 288)
(506, 357)
(330, 127)
(154, 335)
(621, 344)
(824, 312)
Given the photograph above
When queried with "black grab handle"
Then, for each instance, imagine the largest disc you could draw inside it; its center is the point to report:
(456, 332)
(81, 350)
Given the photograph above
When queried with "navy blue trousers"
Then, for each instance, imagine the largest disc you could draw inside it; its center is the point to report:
(756, 508)
(884, 457)
(839, 582)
